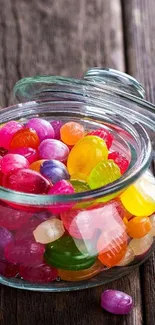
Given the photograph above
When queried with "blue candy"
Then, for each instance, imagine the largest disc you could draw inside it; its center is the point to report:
(54, 170)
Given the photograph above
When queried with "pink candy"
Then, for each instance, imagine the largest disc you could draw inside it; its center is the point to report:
(11, 218)
(60, 188)
(7, 132)
(53, 149)
(40, 273)
(29, 153)
(24, 252)
(43, 128)
(57, 126)
(11, 162)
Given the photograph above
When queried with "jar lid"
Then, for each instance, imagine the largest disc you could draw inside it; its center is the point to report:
(47, 87)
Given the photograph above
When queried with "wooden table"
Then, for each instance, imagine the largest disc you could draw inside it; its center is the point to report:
(66, 37)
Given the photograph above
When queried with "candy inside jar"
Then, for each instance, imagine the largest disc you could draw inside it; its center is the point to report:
(77, 203)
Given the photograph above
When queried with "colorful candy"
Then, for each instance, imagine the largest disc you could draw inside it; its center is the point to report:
(71, 133)
(54, 170)
(53, 149)
(128, 258)
(120, 160)
(103, 134)
(81, 275)
(36, 165)
(26, 180)
(49, 231)
(142, 245)
(29, 153)
(64, 254)
(57, 126)
(138, 227)
(116, 302)
(12, 219)
(86, 154)
(61, 188)
(7, 132)
(25, 137)
(38, 273)
(43, 128)
(103, 173)
(6, 237)
(12, 162)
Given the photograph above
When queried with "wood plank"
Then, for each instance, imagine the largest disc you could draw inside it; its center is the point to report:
(139, 29)
(60, 37)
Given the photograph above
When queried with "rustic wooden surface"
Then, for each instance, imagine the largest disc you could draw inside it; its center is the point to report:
(66, 37)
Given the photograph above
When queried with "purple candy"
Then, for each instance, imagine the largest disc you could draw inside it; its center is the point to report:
(53, 149)
(54, 170)
(116, 302)
(57, 126)
(6, 237)
(43, 128)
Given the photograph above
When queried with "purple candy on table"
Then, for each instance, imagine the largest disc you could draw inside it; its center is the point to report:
(116, 302)
(6, 237)
(53, 149)
(43, 128)
(54, 170)
(57, 126)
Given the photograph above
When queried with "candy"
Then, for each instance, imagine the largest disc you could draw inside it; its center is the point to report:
(57, 126)
(11, 218)
(54, 170)
(71, 133)
(38, 273)
(139, 198)
(116, 302)
(6, 237)
(120, 160)
(81, 275)
(86, 154)
(78, 176)
(24, 252)
(61, 188)
(36, 165)
(142, 245)
(25, 232)
(29, 153)
(9, 270)
(25, 137)
(43, 128)
(64, 254)
(49, 231)
(7, 132)
(103, 134)
(80, 186)
(128, 258)
(12, 162)
(138, 227)
(53, 149)
(103, 173)
(27, 181)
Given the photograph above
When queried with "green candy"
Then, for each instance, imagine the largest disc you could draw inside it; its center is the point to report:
(80, 186)
(64, 254)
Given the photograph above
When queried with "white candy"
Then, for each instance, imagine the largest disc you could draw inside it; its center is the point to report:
(49, 231)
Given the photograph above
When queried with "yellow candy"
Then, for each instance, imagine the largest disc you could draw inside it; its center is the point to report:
(139, 199)
(86, 154)
(78, 176)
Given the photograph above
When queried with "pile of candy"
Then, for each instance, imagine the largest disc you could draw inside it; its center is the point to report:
(72, 240)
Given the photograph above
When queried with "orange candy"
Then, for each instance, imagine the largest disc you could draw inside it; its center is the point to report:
(114, 252)
(71, 133)
(138, 227)
(36, 165)
(67, 275)
(25, 137)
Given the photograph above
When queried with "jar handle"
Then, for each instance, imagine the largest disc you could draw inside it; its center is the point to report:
(116, 80)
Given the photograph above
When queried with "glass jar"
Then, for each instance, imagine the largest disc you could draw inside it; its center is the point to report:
(99, 234)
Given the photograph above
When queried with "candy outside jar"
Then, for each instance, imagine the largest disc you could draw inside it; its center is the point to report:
(77, 195)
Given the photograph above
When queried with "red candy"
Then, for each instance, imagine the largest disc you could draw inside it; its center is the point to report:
(24, 252)
(27, 181)
(29, 153)
(25, 232)
(11, 218)
(40, 273)
(11, 162)
(120, 160)
(9, 270)
(25, 138)
(103, 134)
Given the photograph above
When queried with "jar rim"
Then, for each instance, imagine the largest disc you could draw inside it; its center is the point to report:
(44, 200)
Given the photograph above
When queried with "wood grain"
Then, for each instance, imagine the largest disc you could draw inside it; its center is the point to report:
(139, 30)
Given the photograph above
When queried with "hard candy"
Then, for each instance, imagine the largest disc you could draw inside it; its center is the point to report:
(43, 128)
